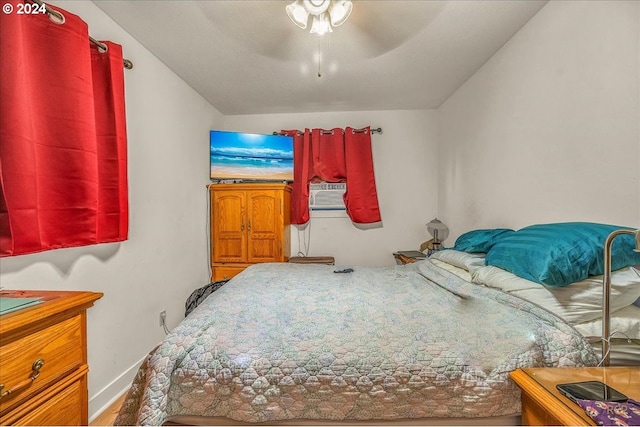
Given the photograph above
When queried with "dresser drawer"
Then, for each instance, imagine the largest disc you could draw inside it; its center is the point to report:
(225, 273)
(63, 409)
(60, 347)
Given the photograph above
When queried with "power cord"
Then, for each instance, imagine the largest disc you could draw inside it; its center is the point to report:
(163, 321)
(608, 341)
(306, 240)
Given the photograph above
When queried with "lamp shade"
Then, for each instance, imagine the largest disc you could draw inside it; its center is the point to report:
(438, 230)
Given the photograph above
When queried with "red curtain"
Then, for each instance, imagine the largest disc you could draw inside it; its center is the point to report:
(335, 156)
(63, 156)
(361, 198)
(302, 174)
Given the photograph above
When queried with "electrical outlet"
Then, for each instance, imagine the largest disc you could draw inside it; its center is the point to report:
(163, 317)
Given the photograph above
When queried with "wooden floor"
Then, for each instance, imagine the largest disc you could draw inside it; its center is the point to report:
(109, 415)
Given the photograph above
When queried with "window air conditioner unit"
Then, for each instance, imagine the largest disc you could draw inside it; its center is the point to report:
(327, 196)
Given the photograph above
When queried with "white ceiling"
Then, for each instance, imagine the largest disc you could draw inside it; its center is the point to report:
(247, 57)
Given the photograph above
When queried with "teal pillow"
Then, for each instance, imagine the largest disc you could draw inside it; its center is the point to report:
(476, 241)
(561, 254)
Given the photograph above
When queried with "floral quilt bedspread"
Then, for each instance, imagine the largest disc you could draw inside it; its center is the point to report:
(290, 341)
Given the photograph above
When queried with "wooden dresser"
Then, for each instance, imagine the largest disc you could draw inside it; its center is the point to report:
(249, 224)
(43, 359)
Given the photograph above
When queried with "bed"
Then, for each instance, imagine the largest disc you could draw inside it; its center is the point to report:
(430, 342)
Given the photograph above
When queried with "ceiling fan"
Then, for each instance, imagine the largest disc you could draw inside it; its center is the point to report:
(373, 28)
(325, 14)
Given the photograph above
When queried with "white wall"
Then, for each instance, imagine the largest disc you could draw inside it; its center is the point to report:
(405, 166)
(404, 158)
(547, 130)
(165, 257)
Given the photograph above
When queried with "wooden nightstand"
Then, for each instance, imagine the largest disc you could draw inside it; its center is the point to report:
(543, 404)
(328, 260)
(407, 257)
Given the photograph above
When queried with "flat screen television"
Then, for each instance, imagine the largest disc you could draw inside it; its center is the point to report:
(250, 157)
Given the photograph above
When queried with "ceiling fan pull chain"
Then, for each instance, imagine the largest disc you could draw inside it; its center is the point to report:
(319, 55)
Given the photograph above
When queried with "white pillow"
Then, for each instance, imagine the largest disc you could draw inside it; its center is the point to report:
(466, 261)
(579, 302)
(460, 272)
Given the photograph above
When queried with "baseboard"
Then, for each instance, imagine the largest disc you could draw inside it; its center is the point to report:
(103, 399)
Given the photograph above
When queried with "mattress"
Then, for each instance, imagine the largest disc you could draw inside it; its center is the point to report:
(579, 304)
(288, 342)
(625, 331)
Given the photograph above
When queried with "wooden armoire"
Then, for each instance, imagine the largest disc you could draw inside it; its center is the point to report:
(250, 223)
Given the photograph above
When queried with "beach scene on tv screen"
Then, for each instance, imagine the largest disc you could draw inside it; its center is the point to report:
(251, 156)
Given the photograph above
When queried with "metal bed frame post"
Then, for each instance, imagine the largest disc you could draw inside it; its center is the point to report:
(606, 291)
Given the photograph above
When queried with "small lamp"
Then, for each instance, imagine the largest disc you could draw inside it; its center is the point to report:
(439, 232)
(606, 290)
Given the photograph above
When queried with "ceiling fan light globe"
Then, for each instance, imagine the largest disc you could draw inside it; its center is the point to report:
(298, 14)
(340, 11)
(321, 25)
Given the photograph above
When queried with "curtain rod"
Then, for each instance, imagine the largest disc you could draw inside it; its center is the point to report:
(60, 20)
(330, 132)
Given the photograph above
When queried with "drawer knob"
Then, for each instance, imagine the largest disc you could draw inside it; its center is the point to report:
(35, 373)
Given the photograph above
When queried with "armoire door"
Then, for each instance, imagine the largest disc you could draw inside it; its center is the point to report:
(264, 225)
(229, 225)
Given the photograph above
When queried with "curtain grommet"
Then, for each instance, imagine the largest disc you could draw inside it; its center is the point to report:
(56, 17)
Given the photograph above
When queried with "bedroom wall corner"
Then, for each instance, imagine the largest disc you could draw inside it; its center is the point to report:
(165, 257)
(547, 130)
